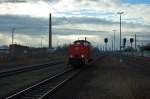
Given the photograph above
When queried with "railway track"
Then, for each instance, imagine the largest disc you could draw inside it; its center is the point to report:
(46, 87)
(17, 70)
(22, 69)
(136, 63)
(137, 60)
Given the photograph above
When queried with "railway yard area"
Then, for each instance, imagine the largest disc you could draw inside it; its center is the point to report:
(74, 49)
(108, 77)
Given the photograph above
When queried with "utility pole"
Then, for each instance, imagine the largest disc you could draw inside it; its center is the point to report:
(135, 42)
(112, 45)
(120, 13)
(57, 43)
(13, 30)
(41, 42)
(114, 39)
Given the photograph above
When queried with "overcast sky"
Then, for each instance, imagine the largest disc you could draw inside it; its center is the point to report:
(73, 19)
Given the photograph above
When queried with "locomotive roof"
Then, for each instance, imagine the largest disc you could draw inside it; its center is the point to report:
(82, 41)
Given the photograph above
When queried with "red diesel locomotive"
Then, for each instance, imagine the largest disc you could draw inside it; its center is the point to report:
(79, 53)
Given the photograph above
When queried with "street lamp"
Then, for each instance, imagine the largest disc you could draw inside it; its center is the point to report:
(120, 13)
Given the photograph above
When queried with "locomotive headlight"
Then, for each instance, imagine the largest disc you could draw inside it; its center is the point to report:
(82, 56)
(71, 56)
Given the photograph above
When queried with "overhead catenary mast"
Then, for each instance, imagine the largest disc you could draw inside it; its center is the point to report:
(50, 31)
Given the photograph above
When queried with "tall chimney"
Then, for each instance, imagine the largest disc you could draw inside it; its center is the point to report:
(50, 31)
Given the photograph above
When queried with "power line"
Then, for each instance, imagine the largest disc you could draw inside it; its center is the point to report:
(69, 21)
(51, 6)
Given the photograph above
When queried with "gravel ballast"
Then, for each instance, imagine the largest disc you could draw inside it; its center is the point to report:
(108, 79)
(11, 84)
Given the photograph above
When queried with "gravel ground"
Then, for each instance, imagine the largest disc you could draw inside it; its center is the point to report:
(11, 84)
(108, 79)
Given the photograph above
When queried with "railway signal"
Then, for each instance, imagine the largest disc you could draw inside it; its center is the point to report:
(106, 41)
(124, 42)
(131, 41)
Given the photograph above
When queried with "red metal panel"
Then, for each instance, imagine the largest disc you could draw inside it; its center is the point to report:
(78, 50)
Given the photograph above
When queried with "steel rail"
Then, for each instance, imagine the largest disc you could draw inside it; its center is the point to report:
(17, 70)
(42, 89)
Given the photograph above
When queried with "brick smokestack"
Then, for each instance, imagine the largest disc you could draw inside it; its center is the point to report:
(50, 31)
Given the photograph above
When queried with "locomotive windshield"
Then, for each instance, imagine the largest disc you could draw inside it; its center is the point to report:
(82, 42)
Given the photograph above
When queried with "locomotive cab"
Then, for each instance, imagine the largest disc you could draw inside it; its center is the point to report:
(79, 53)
